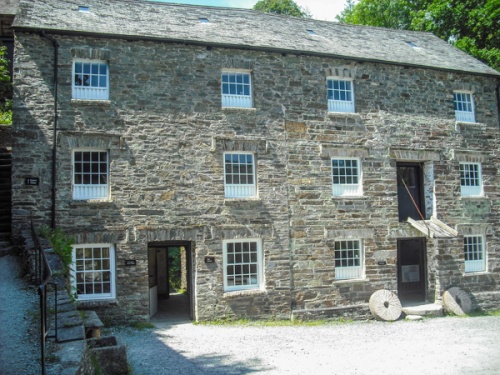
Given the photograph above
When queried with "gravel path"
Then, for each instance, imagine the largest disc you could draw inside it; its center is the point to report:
(19, 340)
(438, 346)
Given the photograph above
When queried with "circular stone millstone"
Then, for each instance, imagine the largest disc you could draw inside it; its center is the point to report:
(385, 305)
(457, 301)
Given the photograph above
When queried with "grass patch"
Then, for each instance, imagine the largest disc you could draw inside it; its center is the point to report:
(142, 325)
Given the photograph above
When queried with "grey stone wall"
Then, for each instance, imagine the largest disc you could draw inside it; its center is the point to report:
(166, 133)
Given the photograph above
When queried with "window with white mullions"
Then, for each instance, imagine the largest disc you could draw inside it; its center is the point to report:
(242, 264)
(90, 80)
(90, 174)
(94, 271)
(346, 177)
(474, 254)
(340, 95)
(239, 175)
(236, 89)
(471, 179)
(348, 259)
(464, 107)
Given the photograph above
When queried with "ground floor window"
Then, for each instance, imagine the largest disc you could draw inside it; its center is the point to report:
(242, 264)
(94, 271)
(348, 259)
(475, 260)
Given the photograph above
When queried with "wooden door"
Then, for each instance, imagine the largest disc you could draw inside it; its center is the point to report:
(411, 269)
(410, 191)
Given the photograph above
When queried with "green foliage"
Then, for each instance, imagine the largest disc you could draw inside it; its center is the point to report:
(274, 322)
(174, 276)
(5, 89)
(285, 7)
(471, 25)
(61, 243)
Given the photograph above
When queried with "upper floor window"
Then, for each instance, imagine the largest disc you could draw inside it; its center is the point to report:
(236, 89)
(242, 264)
(346, 177)
(94, 271)
(464, 107)
(474, 254)
(90, 80)
(348, 259)
(90, 174)
(239, 175)
(471, 180)
(340, 95)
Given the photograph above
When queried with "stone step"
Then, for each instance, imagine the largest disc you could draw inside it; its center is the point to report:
(428, 309)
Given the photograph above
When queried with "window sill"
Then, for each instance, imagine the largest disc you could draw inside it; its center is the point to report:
(344, 115)
(473, 197)
(353, 197)
(87, 102)
(243, 199)
(243, 293)
(351, 281)
(237, 109)
(91, 303)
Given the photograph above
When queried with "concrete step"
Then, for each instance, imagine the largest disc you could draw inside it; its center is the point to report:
(426, 309)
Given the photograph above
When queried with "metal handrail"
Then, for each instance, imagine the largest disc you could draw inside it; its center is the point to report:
(44, 277)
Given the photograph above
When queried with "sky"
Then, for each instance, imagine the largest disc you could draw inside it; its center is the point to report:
(324, 10)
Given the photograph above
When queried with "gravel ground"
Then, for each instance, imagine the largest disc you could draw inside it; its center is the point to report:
(19, 340)
(440, 346)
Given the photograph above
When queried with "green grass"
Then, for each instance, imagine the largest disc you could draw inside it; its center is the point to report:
(142, 325)
(273, 322)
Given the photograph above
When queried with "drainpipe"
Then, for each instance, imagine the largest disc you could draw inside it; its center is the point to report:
(497, 90)
(54, 139)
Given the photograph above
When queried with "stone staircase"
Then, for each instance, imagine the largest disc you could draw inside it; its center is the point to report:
(5, 201)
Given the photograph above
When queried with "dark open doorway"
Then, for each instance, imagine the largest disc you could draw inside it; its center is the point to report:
(410, 191)
(411, 269)
(170, 279)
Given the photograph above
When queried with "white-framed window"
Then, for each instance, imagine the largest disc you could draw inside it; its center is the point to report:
(346, 177)
(93, 271)
(90, 80)
(464, 106)
(471, 183)
(236, 89)
(474, 254)
(239, 175)
(242, 264)
(348, 259)
(90, 174)
(340, 95)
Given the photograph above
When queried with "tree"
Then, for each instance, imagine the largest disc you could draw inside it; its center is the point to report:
(471, 25)
(286, 7)
(5, 89)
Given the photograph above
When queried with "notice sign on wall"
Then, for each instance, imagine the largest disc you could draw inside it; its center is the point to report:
(411, 274)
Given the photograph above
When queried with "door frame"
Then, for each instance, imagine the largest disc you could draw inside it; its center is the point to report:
(419, 295)
(189, 248)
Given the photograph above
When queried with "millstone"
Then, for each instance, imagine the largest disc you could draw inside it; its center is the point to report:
(385, 305)
(457, 301)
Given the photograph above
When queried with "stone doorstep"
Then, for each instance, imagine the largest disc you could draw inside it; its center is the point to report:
(429, 309)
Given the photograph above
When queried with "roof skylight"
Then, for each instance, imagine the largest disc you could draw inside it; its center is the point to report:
(83, 8)
(311, 32)
(411, 44)
(203, 20)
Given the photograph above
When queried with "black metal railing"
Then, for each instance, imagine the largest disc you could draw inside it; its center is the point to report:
(43, 277)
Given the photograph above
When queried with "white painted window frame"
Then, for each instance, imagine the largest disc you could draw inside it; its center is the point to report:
(95, 90)
(346, 189)
(239, 190)
(335, 102)
(241, 95)
(342, 258)
(92, 268)
(86, 191)
(250, 268)
(463, 103)
(467, 189)
(475, 253)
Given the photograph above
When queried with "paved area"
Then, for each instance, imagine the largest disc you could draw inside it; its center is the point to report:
(433, 346)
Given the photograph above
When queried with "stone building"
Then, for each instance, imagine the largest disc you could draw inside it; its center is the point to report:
(297, 165)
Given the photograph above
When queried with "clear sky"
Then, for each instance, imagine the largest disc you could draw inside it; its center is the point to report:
(325, 10)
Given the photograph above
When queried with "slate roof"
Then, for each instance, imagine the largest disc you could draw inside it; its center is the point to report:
(243, 28)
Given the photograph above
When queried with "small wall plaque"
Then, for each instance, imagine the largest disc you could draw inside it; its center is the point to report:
(209, 259)
(130, 262)
(32, 181)
(382, 263)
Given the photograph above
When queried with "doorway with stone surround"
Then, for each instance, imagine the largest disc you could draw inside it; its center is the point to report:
(170, 280)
